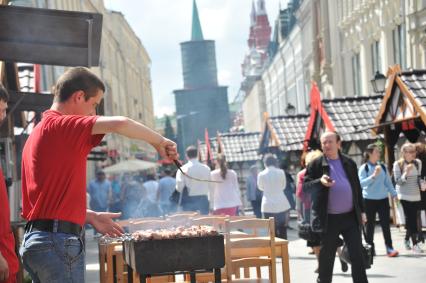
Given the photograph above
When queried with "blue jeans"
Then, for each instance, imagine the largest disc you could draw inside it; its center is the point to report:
(53, 257)
(279, 219)
(197, 203)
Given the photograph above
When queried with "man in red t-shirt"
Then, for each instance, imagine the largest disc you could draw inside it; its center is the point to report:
(9, 264)
(54, 177)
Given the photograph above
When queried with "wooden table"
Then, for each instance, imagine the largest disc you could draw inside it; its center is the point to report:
(281, 250)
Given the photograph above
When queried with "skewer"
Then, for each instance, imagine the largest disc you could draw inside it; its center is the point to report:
(179, 166)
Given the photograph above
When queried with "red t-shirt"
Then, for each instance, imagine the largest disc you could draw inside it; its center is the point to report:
(7, 241)
(54, 167)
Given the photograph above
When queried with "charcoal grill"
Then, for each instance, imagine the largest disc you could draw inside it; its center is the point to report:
(174, 256)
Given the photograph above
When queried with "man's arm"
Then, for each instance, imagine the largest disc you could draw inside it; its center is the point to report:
(103, 223)
(129, 128)
(311, 180)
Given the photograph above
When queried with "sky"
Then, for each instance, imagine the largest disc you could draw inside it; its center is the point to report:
(162, 25)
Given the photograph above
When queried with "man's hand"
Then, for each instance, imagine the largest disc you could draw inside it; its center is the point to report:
(363, 218)
(4, 269)
(167, 149)
(104, 224)
(327, 181)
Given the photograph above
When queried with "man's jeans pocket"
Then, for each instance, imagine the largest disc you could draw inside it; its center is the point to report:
(53, 257)
(73, 248)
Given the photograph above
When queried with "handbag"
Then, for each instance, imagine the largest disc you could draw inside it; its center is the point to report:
(367, 253)
(305, 231)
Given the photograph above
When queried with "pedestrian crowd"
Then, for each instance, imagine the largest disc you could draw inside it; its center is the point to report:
(336, 201)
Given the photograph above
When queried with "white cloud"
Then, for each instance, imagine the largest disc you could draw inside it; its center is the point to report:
(163, 24)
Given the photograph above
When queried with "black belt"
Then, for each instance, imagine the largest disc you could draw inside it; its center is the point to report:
(54, 226)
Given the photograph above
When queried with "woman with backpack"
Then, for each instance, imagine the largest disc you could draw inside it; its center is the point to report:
(406, 172)
(376, 185)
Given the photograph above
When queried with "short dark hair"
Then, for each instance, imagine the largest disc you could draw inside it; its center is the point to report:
(168, 172)
(4, 95)
(270, 160)
(191, 151)
(76, 79)
(150, 177)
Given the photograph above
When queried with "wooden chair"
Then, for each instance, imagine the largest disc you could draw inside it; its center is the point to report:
(247, 252)
(129, 222)
(188, 213)
(239, 217)
(181, 219)
(217, 222)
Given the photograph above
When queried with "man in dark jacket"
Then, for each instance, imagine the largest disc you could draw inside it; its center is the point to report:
(337, 207)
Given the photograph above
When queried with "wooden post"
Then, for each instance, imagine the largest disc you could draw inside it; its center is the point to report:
(390, 159)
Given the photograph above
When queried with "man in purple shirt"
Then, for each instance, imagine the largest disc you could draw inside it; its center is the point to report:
(337, 207)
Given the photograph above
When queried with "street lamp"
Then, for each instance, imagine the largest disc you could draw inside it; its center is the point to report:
(378, 82)
(290, 109)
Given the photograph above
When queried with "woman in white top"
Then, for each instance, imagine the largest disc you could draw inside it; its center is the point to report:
(406, 172)
(272, 182)
(225, 194)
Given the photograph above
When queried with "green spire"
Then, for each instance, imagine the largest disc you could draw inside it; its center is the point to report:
(197, 33)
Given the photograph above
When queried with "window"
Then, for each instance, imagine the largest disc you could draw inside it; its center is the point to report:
(398, 40)
(375, 56)
(356, 73)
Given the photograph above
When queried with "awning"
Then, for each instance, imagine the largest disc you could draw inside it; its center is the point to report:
(133, 165)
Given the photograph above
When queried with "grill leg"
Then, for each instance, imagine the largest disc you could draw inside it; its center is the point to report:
(217, 275)
(192, 276)
(142, 278)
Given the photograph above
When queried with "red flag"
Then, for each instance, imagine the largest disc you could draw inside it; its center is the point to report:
(209, 156)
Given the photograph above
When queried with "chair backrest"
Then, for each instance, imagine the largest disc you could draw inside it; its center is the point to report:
(148, 224)
(192, 213)
(217, 222)
(246, 252)
(248, 231)
(239, 217)
(129, 222)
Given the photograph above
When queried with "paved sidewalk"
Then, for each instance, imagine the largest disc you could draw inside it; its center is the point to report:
(408, 267)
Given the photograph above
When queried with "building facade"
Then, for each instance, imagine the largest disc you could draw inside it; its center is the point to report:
(254, 107)
(284, 78)
(124, 67)
(255, 61)
(378, 34)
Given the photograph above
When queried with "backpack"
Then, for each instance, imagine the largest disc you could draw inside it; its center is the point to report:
(401, 165)
(367, 169)
(290, 185)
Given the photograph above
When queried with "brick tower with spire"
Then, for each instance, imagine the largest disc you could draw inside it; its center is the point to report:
(258, 42)
(202, 103)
